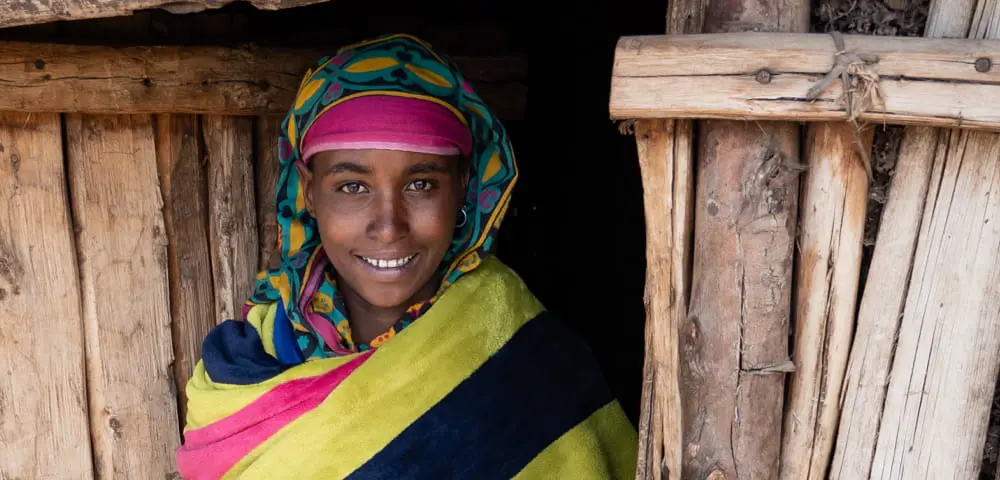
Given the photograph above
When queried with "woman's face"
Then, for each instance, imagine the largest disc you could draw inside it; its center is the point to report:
(386, 219)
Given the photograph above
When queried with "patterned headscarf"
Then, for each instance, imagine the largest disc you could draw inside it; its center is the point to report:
(311, 320)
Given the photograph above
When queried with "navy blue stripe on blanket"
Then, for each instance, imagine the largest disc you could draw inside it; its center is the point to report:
(232, 353)
(537, 387)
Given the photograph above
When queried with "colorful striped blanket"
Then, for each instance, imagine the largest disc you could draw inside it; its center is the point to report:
(486, 385)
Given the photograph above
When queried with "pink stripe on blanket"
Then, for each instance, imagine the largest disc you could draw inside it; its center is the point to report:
(209, 452)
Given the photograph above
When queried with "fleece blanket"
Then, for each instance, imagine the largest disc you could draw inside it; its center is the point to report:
(486, 385)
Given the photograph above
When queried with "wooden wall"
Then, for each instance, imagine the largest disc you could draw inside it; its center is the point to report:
(123, 241)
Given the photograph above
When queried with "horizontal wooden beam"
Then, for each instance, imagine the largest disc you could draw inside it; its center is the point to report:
(29, 12)
(201, 80)
(765, 76)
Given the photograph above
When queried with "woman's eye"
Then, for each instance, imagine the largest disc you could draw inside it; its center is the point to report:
(353, 188)
(420, 186)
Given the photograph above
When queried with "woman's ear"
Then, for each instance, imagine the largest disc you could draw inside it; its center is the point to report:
(307, 179)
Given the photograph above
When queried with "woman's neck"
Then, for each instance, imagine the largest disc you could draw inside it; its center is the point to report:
(369, 321)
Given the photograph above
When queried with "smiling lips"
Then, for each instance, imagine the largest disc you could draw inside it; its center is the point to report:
(388, 263)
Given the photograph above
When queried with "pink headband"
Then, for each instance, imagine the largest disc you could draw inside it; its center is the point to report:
(387, 122)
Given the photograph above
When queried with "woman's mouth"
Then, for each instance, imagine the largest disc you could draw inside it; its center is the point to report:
(388, 263)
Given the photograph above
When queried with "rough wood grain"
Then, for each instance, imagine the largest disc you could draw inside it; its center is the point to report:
(232, 211)
(946, 360)
(938, 399)
(267, 169)
(44, 432)
(882, 307)
(831, 229)
(680, 289)
(27, 12)
(185, 211)
(735, 344)
(660, 429)
(649, 436)
(206, 80)
(123, 270)
(735, 348)
(765, 76)
(665, 157)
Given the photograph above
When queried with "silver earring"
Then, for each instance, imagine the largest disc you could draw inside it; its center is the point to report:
(465, 219)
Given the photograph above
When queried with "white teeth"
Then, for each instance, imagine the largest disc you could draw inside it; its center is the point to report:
(392, 263)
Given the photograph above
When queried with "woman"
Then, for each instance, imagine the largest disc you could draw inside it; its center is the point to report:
(390, 343)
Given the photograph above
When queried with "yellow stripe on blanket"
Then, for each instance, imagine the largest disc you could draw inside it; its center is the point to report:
(596, 449)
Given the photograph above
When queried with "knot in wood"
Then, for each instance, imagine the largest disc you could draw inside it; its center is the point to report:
(983, 64)
(763, 76)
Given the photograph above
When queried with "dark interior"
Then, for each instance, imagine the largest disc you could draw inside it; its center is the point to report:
(575, 230)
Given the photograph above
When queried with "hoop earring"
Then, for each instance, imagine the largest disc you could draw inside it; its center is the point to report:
(465, 219)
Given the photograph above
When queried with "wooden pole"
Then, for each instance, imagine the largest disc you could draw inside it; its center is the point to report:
(43, 396)
(789, 76)
(831, 230)
(882, 307)
(734, 348)
(232, 211)
(124, 279)
(665, 158)
(667, 163)
(185, 214)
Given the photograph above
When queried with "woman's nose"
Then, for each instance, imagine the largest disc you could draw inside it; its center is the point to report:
(389, 223)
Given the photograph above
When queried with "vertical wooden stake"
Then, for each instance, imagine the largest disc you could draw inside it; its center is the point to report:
(232, 211)
(123, 271)
(44, 431)
(665, 159)
(267, 170)
(185, 212)
(948, 354)
(832, 223)
(882, 307)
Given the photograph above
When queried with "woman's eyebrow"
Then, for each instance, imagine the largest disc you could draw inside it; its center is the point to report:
(347, 167)
(426, 167)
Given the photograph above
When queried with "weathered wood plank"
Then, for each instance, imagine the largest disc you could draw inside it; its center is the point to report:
(946, 358)
(828, 270)
(680, 289)
(665, 158)
(123, 270)
(765, 76)
(185, 210)
(206, 80)
(267, 169)
(28, 12)
(661, 434)
(735, 346)
(43, 395)
(232, 211)
(882, 307)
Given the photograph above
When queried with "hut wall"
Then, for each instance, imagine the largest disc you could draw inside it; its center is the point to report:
(139, 233)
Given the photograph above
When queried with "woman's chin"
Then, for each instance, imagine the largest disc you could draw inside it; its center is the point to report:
(381, 297)
(394, 295)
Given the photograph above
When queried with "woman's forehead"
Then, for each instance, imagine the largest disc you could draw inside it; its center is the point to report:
(379, 161)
